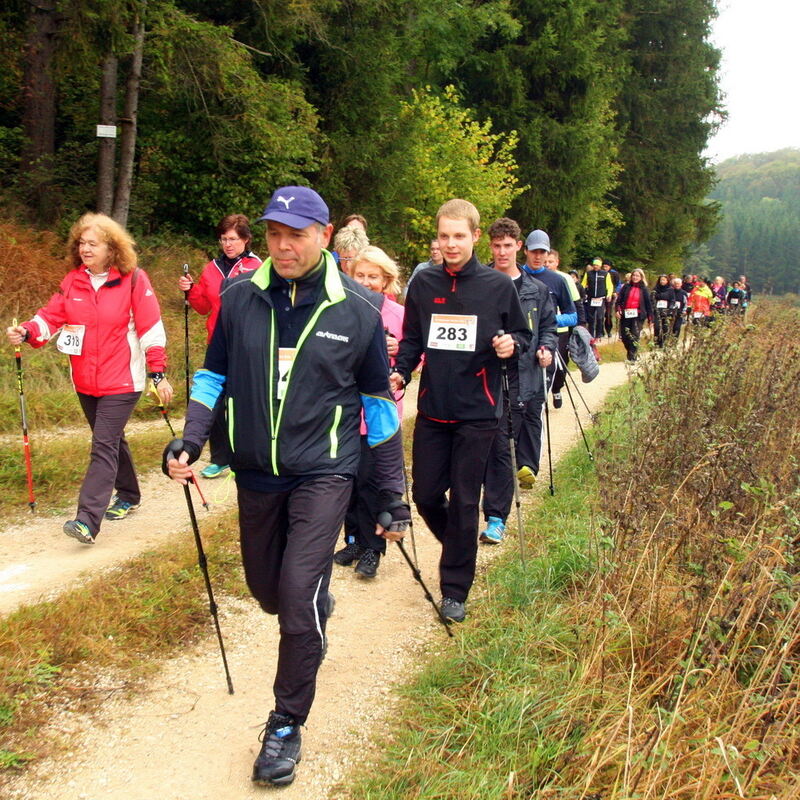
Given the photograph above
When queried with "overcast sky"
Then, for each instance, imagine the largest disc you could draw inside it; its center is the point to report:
(760, 76)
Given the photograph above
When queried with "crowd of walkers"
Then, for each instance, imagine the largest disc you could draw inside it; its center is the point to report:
(672, 302)
(300, 394)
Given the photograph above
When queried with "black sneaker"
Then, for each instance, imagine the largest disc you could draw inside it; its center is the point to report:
(368, 563)
(453, 609)
(348, 554)
(557, 401)
(280, 751)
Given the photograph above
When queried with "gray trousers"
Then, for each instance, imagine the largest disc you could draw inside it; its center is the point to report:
(287, 541)
(111, 465)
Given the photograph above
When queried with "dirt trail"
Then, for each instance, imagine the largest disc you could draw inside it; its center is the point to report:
(180, 735)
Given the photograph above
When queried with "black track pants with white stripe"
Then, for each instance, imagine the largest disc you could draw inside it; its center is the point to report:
(287, 541)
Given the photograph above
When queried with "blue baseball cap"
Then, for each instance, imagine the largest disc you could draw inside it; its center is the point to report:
(537, 240)
(297, 207)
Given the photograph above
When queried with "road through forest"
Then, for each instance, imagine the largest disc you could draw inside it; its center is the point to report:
(178, 734)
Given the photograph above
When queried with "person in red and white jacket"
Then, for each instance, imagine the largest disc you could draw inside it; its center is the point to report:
(233, 232)
(110, 327)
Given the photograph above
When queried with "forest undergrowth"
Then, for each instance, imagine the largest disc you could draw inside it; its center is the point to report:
(651, 649)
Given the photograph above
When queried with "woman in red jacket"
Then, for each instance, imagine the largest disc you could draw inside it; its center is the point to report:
(234, 237)
(111, 329)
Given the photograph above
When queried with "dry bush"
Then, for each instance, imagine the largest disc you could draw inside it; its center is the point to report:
(33, 265)
(693, 658)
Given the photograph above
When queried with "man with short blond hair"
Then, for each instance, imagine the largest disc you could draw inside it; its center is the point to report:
(464, 318)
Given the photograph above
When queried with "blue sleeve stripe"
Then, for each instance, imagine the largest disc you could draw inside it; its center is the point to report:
(567, 320)
(207, 387)
(380, 415)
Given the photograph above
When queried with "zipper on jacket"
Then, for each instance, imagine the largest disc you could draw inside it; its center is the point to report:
(334, 432)
(275, 423)
(482, 374)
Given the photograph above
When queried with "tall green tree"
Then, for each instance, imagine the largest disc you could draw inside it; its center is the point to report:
(438, 150)
(667, 107)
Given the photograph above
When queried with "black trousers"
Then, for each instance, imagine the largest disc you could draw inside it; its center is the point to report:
(557, 374)
(595, 318)
(629, 332)
(498, 484)
(360, 519)
(287, 541)
(609, 320)
(111, 465)
(452, 456)
(662, 326)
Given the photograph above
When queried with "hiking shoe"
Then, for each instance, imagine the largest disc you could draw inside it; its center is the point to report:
(120, 509)
(368, 563)
(78, 530)
(213, 471)
(453, 609)
(280, 751)
(526, 477)
(557, 401)
(348, 554)
(494, 531)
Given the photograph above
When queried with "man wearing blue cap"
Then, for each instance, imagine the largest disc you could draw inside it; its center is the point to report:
(298, 351)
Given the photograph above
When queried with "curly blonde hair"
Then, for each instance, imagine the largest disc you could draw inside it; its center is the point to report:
(374, 255)
(120, 243)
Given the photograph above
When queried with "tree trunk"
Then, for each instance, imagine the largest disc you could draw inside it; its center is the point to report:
(127, 144)
(107, 146)
(39, 107)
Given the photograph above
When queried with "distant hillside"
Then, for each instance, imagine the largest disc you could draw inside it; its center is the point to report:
(759, 234)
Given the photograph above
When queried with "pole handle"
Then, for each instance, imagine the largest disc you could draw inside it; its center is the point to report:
(17, 350)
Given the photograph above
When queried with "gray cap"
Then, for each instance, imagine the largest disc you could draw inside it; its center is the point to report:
(537, 240)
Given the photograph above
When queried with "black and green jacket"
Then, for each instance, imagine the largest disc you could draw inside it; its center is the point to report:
(340, 366)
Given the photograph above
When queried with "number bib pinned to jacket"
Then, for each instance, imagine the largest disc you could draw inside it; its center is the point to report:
(70, 340)
(453, 332)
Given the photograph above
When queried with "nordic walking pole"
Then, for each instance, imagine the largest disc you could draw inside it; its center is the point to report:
(512, 447)
(154, 392)
(385, 520)
(410, 522)
(578, 420)
(186, 334)
(176, 449)
(26, 445)
(574, 383)
(547, 424)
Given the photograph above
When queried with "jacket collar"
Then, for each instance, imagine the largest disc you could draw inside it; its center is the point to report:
(472, 266)
(332, 280)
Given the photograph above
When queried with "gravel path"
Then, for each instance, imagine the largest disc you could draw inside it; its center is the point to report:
(180, 735)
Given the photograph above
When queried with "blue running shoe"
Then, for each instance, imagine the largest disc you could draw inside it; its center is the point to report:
(214, 471)
(78, 530)
(494, 531)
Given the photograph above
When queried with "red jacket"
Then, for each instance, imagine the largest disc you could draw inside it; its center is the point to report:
(204, 295)
(123, 326)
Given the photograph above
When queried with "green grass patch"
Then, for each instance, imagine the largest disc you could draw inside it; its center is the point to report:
(488, 714)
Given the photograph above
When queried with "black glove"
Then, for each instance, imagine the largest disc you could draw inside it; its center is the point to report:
(394, 513)
(175, 448)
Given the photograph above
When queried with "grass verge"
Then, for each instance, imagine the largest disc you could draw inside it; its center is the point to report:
(652, 647)
(59, 465)
(52, 654)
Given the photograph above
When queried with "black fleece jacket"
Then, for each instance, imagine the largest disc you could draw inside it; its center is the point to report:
(459, 385)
